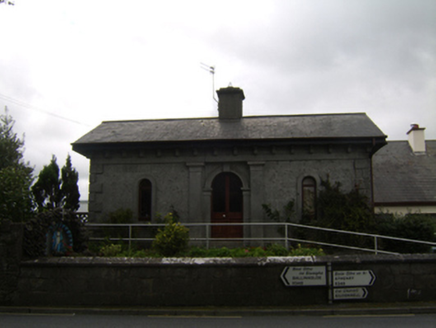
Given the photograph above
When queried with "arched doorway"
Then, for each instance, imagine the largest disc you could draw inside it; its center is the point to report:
(227, 205)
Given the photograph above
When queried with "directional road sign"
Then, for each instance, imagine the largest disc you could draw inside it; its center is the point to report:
(304, 276)
(353, 278)
(350, 293)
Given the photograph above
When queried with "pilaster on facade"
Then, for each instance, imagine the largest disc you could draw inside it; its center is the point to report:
(195, 190)
(257, 196)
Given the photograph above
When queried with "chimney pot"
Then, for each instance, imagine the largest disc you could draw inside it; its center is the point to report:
(416, 139)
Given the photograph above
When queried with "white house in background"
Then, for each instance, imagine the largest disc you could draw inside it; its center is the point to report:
(404, 174)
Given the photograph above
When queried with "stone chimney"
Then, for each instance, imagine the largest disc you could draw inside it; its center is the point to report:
(230, 103)
(417, 139)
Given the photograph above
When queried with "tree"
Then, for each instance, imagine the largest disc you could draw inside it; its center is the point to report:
(52, 192)
(70, 188)
(15, 175)
(340, 210)
(47, 189)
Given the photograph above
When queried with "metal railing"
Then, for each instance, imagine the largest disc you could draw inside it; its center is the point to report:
(286, 239)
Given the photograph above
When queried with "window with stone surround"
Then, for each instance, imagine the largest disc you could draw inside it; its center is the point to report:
(145, 195)
(308, 193)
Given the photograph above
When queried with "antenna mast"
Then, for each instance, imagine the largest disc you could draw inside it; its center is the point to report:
(211, 70)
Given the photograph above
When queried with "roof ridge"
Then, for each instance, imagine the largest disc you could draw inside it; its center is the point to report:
(244, 117)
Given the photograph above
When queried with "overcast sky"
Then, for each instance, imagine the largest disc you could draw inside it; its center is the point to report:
(65, 66)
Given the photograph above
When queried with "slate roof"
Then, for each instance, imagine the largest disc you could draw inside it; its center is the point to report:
(351, 125)
(400, 176)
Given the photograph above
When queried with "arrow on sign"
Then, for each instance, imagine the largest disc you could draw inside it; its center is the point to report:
(353, 278)
(350, 293)
(304, 276)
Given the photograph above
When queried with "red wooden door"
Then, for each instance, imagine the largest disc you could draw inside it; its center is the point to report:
(227, 205)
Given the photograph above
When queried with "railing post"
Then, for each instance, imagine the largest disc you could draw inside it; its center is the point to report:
(375, 244)
(130, 237)
(207, 235)
(286, 236)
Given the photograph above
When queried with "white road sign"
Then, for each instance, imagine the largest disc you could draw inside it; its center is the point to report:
(304, 276)
(353, 278)
(350, 293)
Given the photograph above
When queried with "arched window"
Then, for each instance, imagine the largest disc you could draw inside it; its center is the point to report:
(144, 210)
(309, 198)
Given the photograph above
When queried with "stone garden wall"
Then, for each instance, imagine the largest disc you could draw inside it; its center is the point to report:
(223, 282)
(279, 281)
(11, 236)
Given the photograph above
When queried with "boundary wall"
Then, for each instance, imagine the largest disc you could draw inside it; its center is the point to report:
(217, 282)
(96, 281)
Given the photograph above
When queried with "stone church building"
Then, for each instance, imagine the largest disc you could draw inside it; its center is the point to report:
(223, 169)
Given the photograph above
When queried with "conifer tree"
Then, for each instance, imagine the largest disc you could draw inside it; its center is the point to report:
(46, 190)
(52, 191)
(70, 188)
(15, 175)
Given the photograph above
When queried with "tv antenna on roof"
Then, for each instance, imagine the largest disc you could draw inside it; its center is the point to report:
(211, 70)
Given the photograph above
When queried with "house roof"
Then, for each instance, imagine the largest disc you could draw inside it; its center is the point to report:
(351, 125)
(402, 177)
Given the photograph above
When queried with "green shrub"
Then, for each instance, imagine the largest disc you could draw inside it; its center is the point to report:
(349, 211)
(271, 250)
(197, 252)
(277, 250)
(343, 211)
(219, 252)
(171, 216)
(110, 250)
(172, 239)
(240, 252)
(258, 252)
(411, 226)
(303, 251)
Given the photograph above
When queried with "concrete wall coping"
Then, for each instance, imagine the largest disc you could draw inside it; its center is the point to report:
(247, 261)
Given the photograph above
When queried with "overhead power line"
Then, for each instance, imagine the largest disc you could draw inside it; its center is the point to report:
(32, 107)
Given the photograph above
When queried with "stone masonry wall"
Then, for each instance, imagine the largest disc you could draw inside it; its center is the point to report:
(10, 257)
(95, 281)
(182, 177)
(215, 282)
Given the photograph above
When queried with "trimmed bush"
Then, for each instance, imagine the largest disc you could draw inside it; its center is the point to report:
(110, 250)
(172, 239)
